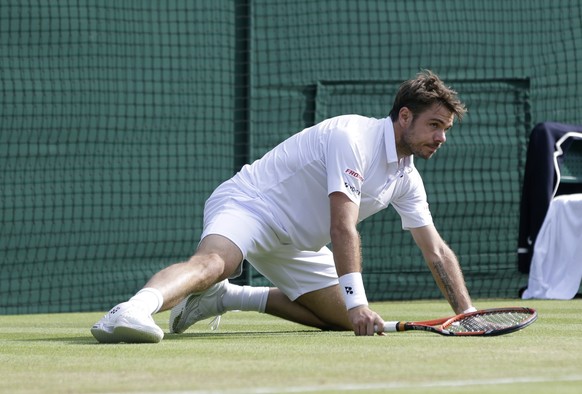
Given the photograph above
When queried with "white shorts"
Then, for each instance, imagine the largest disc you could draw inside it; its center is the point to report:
(247, 222)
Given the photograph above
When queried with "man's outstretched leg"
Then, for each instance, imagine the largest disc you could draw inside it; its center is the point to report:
(131, 321)
(198, 289)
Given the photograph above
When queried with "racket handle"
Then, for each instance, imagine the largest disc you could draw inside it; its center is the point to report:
(389, 326)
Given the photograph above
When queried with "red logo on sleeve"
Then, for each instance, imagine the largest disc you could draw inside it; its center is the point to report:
(355, 174)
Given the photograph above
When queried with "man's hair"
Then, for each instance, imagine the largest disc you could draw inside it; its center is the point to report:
(422, 92)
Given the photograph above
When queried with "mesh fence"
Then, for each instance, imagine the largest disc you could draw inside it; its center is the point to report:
(116, 123)
(117, 119)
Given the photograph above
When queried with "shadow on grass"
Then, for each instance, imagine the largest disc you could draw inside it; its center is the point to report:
(213, 335)
(239, 334)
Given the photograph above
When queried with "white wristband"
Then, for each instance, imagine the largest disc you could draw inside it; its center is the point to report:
(352, 287)
(471, 309)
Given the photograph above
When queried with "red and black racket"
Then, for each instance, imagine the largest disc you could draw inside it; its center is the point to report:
(489, 322)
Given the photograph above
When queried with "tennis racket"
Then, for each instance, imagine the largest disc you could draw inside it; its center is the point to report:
(490, 322)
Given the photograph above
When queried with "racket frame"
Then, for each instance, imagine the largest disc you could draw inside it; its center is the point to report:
(438, 326)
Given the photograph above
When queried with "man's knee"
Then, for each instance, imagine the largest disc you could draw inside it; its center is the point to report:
(209, 266)
(218, 256)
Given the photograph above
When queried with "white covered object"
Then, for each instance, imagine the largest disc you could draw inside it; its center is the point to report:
(556, 267)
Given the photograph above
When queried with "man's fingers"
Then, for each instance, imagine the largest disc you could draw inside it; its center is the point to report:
(365, 321)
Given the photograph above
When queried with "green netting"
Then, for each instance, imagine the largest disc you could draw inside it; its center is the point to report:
(514, 63)
(117, 119)
(571, 162)
(116, 123)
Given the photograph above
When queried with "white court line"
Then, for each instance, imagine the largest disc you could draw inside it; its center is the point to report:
(379, 386)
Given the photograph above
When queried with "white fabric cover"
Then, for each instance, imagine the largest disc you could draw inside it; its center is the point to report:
(556, 267)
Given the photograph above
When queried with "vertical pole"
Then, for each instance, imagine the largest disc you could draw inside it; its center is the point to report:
(242, 83)
(242, 76)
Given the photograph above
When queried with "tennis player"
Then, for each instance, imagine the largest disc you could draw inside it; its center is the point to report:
(281, 211)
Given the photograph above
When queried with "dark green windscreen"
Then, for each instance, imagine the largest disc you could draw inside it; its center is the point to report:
(118, 118)
(115, 124)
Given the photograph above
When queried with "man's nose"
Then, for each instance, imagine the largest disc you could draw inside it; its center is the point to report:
(440, 137)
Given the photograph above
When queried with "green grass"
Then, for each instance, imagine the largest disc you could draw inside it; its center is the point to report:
(253, 353)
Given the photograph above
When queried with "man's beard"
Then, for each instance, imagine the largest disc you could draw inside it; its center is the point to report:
(425, 151)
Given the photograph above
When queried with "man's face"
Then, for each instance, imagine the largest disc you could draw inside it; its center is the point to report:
(424, 133)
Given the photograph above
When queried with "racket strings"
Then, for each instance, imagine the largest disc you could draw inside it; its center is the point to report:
(488, 322)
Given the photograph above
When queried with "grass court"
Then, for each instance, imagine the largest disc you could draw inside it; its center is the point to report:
(258, 354)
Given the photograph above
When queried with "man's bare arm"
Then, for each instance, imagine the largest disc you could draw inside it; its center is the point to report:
(348, 260)
(344, 235)
(444, 266)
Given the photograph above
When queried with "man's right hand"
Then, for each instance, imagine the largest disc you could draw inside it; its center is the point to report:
(364, 319)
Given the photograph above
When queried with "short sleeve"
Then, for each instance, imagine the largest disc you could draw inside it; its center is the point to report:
(346, 164)
(411, 203)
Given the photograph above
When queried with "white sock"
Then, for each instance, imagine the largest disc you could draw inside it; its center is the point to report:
(245, 298)
(149, 299)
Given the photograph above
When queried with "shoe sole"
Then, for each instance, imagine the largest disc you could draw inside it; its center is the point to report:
(176, 315)
(178, 311)
(127, 335)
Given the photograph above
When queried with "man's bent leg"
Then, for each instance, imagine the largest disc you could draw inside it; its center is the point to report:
(329, 306)
(279, 305)
(324, 308)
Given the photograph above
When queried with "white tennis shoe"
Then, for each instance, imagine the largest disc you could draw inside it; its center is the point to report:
(127, 323)
(198, 306)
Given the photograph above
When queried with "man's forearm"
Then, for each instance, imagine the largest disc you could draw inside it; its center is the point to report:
(347, 252)
(449, 277)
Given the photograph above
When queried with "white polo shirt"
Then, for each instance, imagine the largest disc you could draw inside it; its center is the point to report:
(351, 154)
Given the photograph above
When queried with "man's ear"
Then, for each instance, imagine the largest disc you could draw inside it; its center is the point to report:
(405, 117)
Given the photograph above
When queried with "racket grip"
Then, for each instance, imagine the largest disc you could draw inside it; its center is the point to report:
(389, 326)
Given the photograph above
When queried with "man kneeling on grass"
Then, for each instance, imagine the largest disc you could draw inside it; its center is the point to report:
(281, 211)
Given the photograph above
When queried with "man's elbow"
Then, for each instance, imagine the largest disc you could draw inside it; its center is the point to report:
(437, 253)
(341, 232)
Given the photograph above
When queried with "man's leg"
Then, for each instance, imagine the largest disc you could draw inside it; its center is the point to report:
(324, 309)
(318, 309)
(216, 258)
(293, 271)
